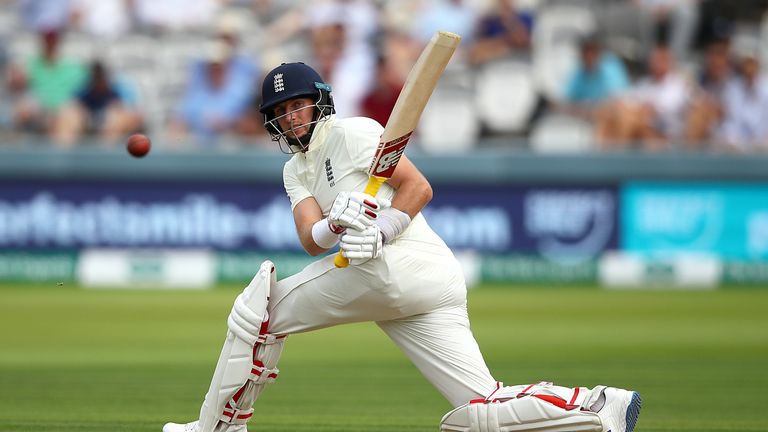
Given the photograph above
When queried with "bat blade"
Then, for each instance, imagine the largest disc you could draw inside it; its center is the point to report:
(418, 88)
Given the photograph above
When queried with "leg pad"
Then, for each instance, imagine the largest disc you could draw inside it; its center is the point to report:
(540, 407)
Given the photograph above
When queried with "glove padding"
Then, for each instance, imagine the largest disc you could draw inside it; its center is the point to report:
(356, 210)
(361, 246)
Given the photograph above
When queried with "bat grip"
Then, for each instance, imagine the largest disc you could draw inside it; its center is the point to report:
(372, 188)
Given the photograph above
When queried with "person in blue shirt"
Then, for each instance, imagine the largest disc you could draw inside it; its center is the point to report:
(104, 109)
(745, 104)
(599, 75)
(218, 93)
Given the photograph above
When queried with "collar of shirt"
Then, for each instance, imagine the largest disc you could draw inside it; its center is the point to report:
(320, 134)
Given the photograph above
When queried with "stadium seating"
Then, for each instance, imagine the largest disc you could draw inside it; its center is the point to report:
(449, 123)
(505, 95)
(559, 133)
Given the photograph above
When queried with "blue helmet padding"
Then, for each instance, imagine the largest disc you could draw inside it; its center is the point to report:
(297, 80)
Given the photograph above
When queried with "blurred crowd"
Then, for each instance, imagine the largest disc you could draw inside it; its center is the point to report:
(542, 74)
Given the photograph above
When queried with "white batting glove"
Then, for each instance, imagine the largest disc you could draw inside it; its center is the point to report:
(361, 246)
(355, 210)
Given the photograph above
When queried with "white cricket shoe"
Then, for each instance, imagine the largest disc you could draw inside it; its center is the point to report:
(618, 409)
(192, 427)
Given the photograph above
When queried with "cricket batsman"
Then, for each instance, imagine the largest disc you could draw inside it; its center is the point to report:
(401, 275)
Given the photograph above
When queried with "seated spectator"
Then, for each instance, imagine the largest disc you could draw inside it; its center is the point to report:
(217, 95)
(103, 107)
(651, 112)
(599, 76)
(745, 103)
(706, 109)
(228, 27)
(378, 103)
(50, 82)
(500, 32)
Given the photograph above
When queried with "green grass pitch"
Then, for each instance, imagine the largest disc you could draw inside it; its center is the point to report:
(109, 361)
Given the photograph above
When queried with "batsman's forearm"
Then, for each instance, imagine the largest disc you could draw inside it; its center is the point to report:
(308, 241)
(412, 196)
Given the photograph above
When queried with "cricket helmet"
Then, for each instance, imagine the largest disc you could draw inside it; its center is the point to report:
(290, 81)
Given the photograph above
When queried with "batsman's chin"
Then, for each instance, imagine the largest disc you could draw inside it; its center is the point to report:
(298, 132)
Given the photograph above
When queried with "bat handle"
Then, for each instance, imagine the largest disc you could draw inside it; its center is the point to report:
(372, 188)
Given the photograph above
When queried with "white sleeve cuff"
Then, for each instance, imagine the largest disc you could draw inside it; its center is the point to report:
(323, 235)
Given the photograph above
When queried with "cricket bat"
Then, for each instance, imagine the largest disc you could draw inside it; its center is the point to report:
(419, 85)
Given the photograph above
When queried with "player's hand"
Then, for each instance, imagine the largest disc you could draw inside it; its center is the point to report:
(361, 246)
(355, 210)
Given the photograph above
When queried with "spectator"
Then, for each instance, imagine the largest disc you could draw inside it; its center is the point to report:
(651, 112)
(217, 95)
(341, 34)
(50, 83)
(706, 110)
(400, 51)
(599, 76)
(350, 74)
(500, 32)
(745, 102)
(378, 103)
(103, 107)
(228, 27)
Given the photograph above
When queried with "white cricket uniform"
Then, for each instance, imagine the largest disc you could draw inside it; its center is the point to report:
(414, 291)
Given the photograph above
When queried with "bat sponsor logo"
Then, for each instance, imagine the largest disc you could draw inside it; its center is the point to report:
(388, 160)
(388, 156)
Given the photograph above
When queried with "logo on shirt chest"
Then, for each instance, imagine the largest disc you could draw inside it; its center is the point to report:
(329, 172)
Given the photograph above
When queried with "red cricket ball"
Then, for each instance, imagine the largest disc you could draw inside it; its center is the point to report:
(138, 145)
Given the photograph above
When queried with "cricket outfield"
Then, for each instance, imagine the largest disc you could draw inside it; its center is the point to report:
(84, 360)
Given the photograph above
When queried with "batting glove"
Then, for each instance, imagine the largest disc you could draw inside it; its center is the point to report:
(355, 210)
(361, 246)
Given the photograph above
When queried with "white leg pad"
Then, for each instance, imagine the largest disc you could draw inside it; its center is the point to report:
(248, 358)
(540, 407)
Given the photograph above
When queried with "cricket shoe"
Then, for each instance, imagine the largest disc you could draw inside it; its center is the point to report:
(618, 409)
(192, 427)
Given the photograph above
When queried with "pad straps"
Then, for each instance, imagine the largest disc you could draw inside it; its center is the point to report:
(562, 397)
(259, 375)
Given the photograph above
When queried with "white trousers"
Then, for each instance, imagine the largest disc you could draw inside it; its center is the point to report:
(418, 298)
